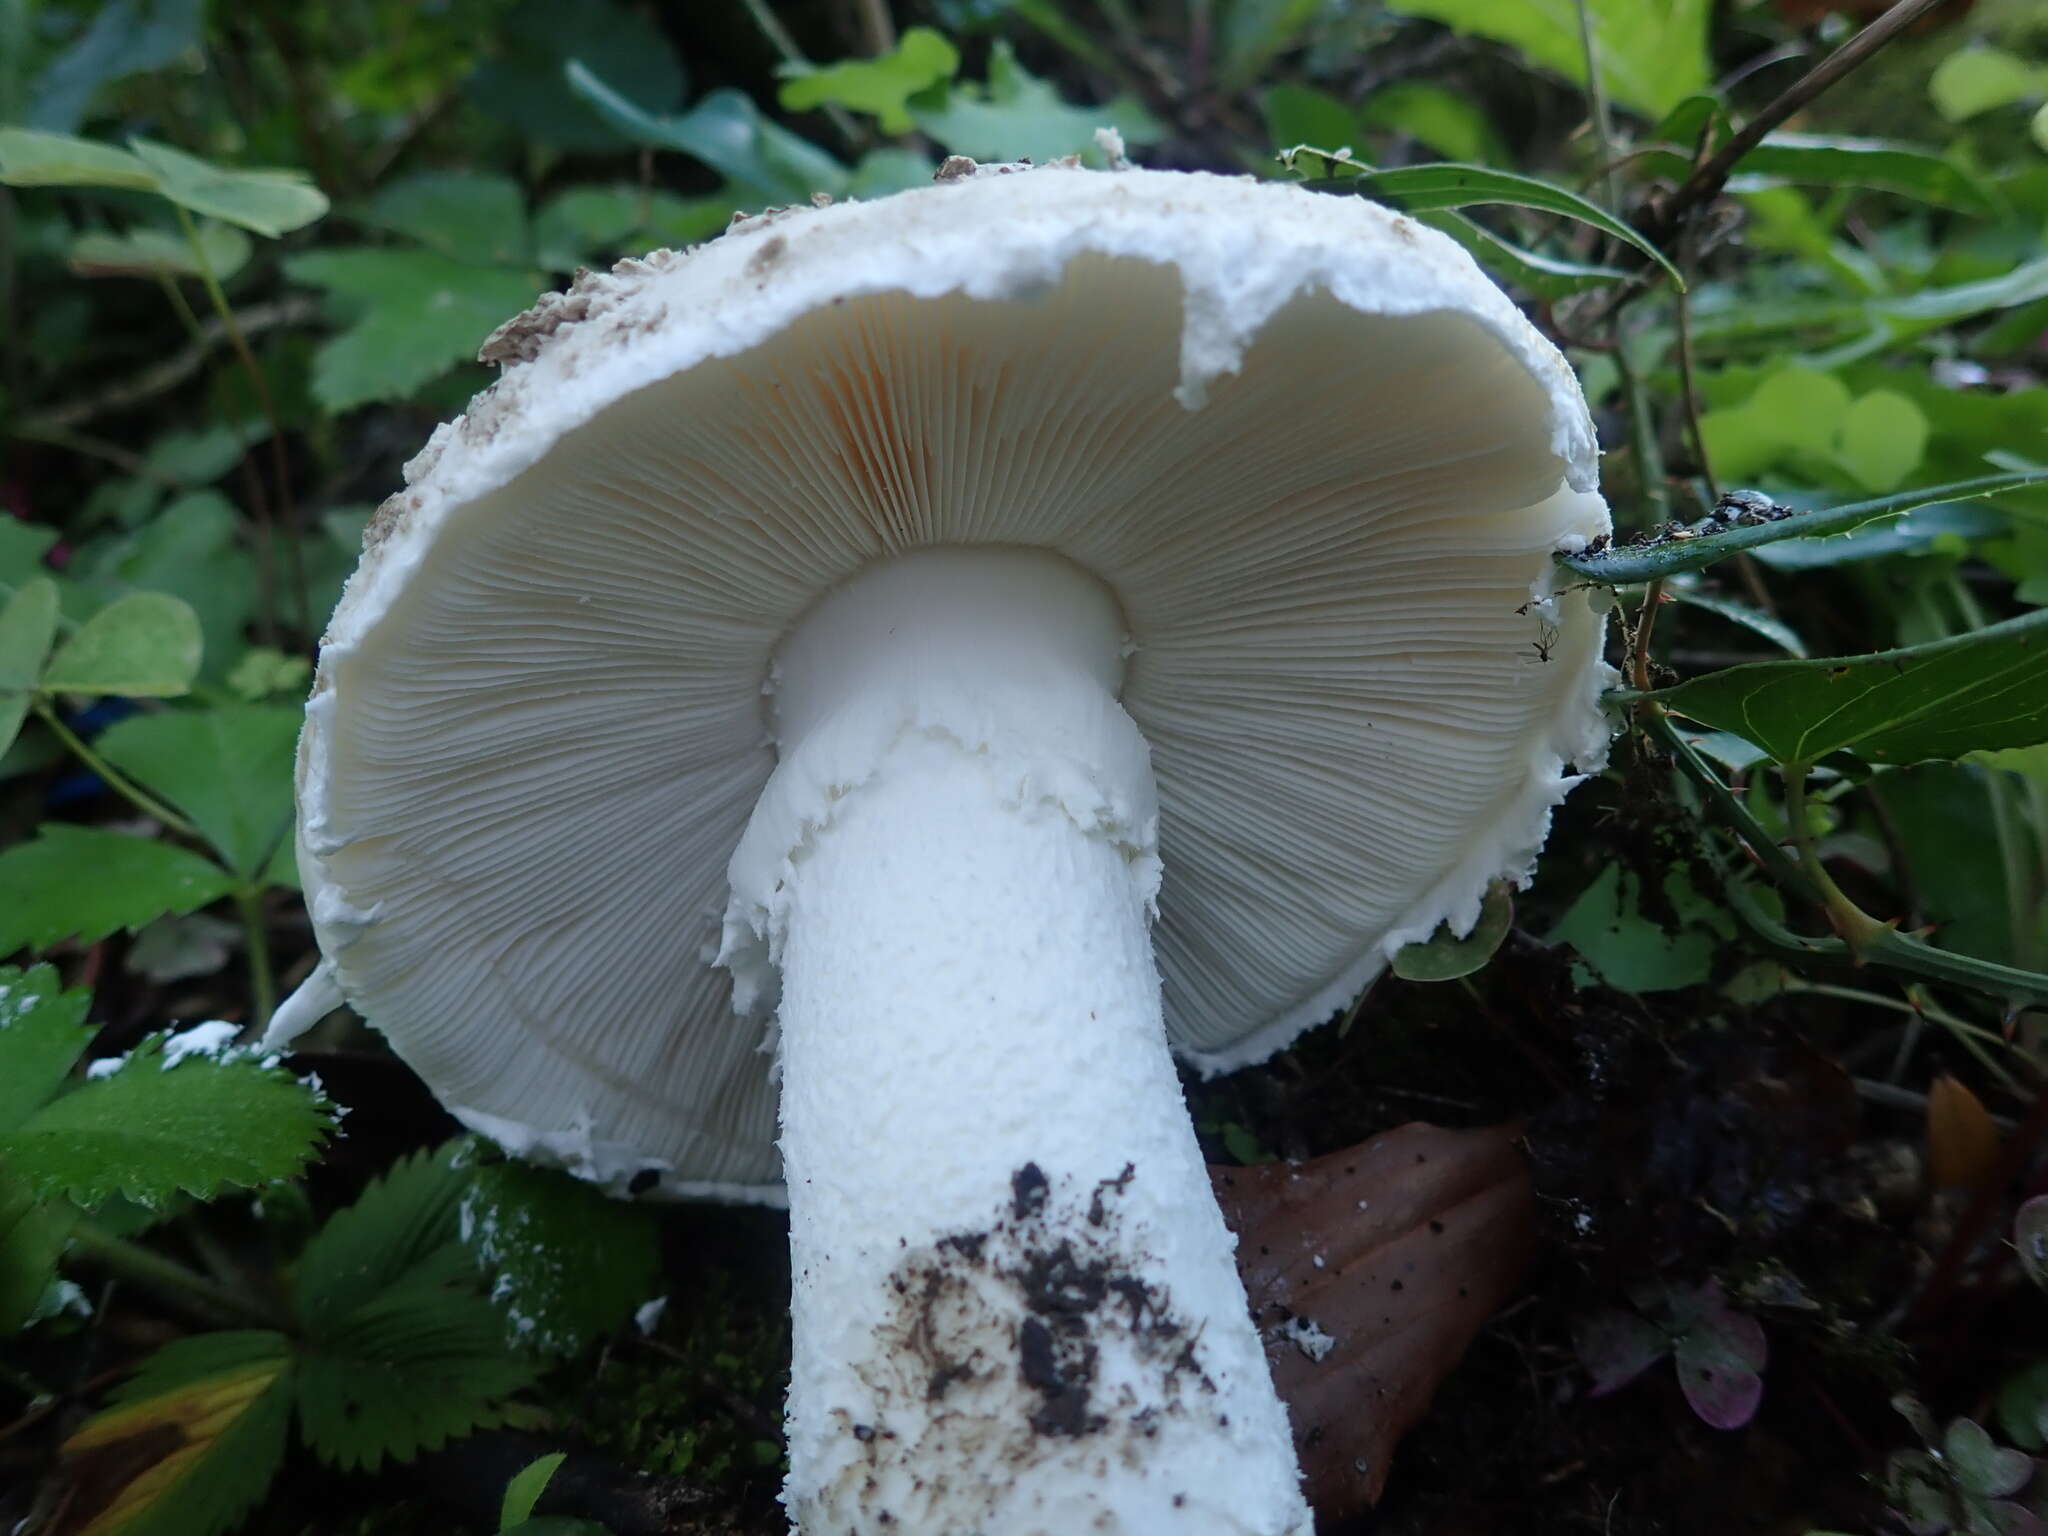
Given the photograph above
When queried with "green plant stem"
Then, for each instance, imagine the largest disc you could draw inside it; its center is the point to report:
(133, 793)
(1856, 926)
(280, 469)
(1885, 946)
(256, 940)
(191, 1292)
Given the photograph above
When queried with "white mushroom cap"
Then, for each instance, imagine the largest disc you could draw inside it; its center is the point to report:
(1320, 460)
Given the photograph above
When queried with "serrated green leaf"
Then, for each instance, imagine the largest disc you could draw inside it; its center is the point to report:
(398, 1223)
(1973, 80)
(190, 1457)
(475, 218)
(145, 645)
(1653, 53)
(42, 1034)
(525, 1489)
(145, 252)
(28, 625)
(405, 1373)
(84, 883)
(765, 162)
(269, 202)
(1979, 691)
(1626, 566)
(229, 769)
(158, 1126)
(32, 159)
(1445, 956)
(568, 1262)
(882, 86)
(1017, 116)
(413, 316)
(1421, 188)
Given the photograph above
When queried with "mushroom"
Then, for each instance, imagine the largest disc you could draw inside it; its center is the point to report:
(946, 653)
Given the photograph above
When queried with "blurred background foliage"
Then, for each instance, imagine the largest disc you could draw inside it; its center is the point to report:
(248, 254)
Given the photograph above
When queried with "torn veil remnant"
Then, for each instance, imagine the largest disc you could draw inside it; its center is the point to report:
(874, 618)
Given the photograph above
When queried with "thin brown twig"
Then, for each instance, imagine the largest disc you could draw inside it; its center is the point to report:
(1705, 183)
(168, 374)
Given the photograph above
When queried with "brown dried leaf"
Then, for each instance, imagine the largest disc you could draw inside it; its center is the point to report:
(1384, 1260)
(1962, 1138)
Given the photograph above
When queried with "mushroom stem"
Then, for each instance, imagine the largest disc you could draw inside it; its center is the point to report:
(1016, 1306)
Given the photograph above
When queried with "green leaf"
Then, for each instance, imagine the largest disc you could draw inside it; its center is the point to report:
(1648, 562)
(765, 163)
(1987, 1469)
(83, 883)
(1546, 277)
(1817, 160)
(32, 159)
(882, 86)
(191, 549)
(1419, 188)
(32, 1238)
(1884, 437)
(229, 769)
(28, 624)
(592, 225)
(145, 645)
(1445, 956)
(1298, 114)
(1017, 116)
(42, 1034)
(1440, 120)
(570, 1263)
(525, 1489)
(1772, 628)
(124, 39)
(1653, 53)
(193, 1443)
(1627, 949)
(523, 85)
(1979, 691)
(406, 1372)
(165, 1123)
(415, 314)
(1973, 80)
(1252, 32)
(395, 1226)
(146, 252)
(265, 671)
(268, 202)
(477, 219)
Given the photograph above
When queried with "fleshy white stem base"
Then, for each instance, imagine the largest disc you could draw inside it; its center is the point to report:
(1016, 1307)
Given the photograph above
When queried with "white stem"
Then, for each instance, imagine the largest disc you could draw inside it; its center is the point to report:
(1016, 1307)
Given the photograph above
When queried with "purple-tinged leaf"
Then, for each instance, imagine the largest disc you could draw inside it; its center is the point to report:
(1616, 1347)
